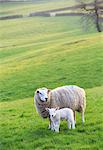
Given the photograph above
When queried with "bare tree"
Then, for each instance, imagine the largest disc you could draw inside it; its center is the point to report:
(92, 9)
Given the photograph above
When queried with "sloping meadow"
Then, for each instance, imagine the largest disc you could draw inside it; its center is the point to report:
(50, 52)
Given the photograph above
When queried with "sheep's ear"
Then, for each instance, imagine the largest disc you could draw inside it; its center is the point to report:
(49, 90)
(37, 91)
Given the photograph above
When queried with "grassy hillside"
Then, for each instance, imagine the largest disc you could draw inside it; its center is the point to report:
(47, 52)
(50, 51)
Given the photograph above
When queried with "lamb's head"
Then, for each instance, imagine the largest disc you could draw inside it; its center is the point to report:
(52, 112)
(43, 94)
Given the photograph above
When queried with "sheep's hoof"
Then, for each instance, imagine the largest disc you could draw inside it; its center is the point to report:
(83, 124)
(83, 121)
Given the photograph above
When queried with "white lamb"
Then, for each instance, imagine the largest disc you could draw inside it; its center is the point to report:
(56, 114)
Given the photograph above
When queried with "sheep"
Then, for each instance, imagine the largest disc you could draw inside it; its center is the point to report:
(56, 114)
(70, 96)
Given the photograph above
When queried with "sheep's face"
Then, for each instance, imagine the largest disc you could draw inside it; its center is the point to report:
(43, 94)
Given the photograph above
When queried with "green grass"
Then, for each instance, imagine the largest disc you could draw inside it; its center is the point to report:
(22, 128)
(50, 51)
(47, 52)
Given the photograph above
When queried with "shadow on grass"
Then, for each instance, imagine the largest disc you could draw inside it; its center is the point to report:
(42, 132)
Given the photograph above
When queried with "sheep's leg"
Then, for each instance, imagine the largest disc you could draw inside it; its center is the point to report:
(69, 124)
(83, 120)
(74, 112)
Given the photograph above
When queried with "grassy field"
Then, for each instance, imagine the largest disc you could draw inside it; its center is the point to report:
(27, 7)
(22, 128)
(50, 51)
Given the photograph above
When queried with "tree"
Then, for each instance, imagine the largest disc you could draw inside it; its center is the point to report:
(94, 10)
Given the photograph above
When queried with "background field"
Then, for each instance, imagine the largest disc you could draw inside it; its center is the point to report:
(37, 5)
(48, 51)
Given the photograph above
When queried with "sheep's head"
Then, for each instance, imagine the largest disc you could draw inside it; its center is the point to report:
(52, 112)
(43, 94)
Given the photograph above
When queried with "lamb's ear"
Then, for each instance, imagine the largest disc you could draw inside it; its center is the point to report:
(47, 109)
(57, 108)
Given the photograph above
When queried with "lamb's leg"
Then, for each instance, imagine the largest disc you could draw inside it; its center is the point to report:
(56, 128)
(49, 127)
(73, 124)
(74, 112)
(69, 124)
(50, 124)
